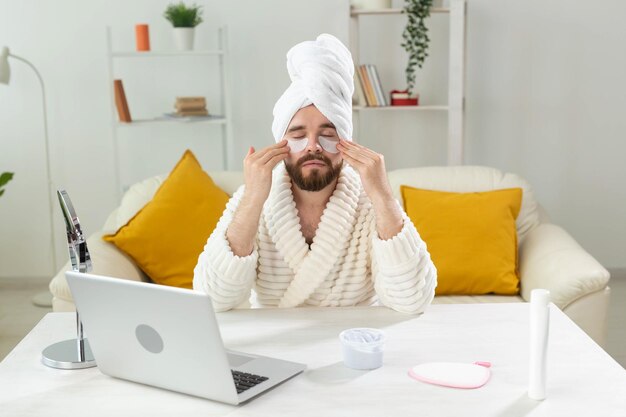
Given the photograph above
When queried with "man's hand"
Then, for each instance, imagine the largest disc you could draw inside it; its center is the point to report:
(371, 168)
(257, 170)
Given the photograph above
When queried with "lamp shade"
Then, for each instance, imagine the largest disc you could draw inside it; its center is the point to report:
(5, 69)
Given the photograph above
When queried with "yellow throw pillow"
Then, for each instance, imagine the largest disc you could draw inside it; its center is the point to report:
(166, 237)
(471, 237)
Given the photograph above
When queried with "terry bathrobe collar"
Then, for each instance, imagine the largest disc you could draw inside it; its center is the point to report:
(310, 266)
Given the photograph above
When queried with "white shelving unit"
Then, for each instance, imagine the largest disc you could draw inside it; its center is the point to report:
(456, 73)
(223, 119)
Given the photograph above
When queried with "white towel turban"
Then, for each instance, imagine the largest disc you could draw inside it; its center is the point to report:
(322, 73)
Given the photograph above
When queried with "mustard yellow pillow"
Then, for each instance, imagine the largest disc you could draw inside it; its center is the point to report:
(471, 238)
(166, 237)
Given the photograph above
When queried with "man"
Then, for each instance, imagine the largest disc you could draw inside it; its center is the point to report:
(315, 222)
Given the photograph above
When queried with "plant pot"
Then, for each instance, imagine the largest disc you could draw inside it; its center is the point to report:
(413, 101)
(401, 98)
(184, 38)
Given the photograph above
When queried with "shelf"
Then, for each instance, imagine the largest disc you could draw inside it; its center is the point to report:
(219, 120)
(162, 120)
(399, 108)
(155, 54)
(455, 11)
(358, 12)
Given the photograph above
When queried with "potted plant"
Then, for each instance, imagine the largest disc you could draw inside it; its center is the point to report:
(5, 177)
(184, 19)
(416, 40)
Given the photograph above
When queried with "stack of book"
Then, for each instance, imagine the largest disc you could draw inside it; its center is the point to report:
(368, 88)
(191, 106)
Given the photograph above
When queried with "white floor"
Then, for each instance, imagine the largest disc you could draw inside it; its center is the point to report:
(18, 315)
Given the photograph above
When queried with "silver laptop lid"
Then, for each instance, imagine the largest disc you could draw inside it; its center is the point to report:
(161, 336)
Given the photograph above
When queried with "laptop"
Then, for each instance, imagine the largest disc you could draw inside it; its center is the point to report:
(169, 338)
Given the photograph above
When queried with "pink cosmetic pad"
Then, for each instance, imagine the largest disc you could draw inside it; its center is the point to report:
(453, 374)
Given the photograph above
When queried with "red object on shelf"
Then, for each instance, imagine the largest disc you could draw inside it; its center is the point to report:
(142, 37)
(403, 100)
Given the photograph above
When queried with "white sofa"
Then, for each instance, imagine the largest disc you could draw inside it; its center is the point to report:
(549, 257)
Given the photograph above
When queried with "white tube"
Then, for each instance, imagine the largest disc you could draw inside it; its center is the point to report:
(539, 325)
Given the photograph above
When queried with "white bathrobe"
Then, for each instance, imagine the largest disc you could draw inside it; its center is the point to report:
(347, 264)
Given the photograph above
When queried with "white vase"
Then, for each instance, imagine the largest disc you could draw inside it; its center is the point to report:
(184, 38)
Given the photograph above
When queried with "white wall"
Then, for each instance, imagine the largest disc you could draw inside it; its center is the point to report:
(66, 41)
(547, 94)
(544, 97)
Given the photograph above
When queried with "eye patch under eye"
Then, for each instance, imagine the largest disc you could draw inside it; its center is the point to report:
(297, 145)
(328, 145)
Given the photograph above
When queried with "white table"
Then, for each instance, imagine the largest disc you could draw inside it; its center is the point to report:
(583, 380)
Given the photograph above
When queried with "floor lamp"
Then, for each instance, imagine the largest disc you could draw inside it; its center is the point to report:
(5, 78)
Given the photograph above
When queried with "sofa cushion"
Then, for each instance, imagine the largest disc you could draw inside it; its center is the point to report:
(476, 299)
(167, 235)
(463, 179)
(140, 194)
(471, 238)
(137, 196)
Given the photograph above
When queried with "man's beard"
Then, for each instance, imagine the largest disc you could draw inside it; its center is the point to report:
(315, 181)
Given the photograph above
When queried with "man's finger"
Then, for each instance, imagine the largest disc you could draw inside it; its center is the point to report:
(264, 151)
(370, 153)
(351, 161)
(279, 144)
(275, 160)
(365, 151)
(271, 153)
(350, 144)
(356, 154)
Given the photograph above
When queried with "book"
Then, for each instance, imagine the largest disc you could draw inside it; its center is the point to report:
(189, 106)
(371, 81)
(370, 74)
(123, 111)
(370, 85)
(379, 87)
(203, 112)
(369, 91)
(358, 80)
(359, 95)
(368, 100)
(191, 100)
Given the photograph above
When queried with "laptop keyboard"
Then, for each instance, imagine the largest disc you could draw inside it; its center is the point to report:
(244, 381)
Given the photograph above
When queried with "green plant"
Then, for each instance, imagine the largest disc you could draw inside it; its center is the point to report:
(5, 177)
(183, 16)
(415, 36)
